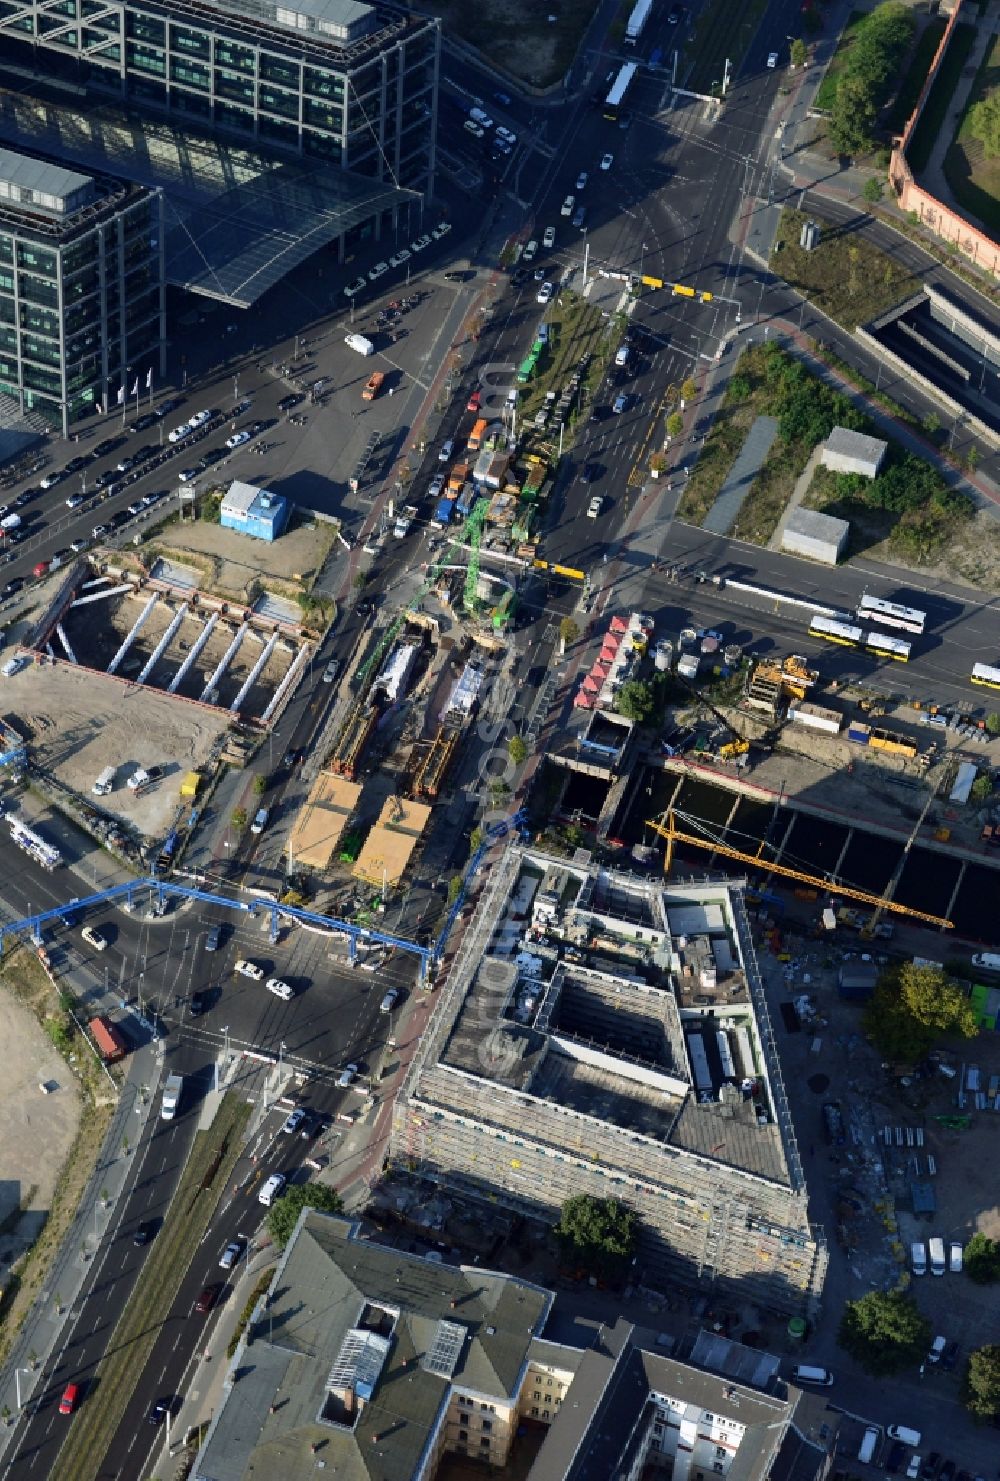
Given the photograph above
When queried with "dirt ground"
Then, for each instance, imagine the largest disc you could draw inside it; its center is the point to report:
(95, 646)
(529, 41)
(80, 722)
(238, 562)
(36, 1130)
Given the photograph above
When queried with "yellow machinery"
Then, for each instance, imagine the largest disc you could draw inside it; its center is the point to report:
(796, 676)
(733, 748)
(668, 830)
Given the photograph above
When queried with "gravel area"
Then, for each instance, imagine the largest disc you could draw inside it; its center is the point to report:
(80, 721)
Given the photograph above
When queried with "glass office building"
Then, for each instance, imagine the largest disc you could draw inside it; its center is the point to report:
(349, 83)
(81, 288)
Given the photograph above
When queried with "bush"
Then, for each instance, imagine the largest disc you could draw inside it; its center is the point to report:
(981, 1261)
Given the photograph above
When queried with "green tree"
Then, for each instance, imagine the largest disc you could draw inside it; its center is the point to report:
(981, 1260)
(993, 723)
(740, 388)
(912, 1008)
(982, 788)
(982, 1382)
(972, 458)
(598, 1233)
(931, 424)
(799, 53)
(635, 701)
(873, 191)
(984, 121)
(454, 888)
(239, 818)
(674, 424)
(569, 631)
(260, 785)
(852, 117)
(285, 1210)
(517, 750)
(360, 580)
(884, 1332)
(689, 389)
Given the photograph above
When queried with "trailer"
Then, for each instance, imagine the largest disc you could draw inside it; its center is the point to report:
(34, 845)
(637, 21)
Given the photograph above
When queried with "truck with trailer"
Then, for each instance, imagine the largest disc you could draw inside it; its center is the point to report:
(172, 1092)
(108, 1039)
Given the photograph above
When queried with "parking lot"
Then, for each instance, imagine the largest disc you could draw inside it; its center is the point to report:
(861, 1191)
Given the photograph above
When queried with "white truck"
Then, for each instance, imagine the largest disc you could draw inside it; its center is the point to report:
(105, 782)
(360, 343)
(404, 519)
(688, 665)
(138, 779)
(171, 1097)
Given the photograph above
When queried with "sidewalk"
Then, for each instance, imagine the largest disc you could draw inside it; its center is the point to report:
(79, 1262)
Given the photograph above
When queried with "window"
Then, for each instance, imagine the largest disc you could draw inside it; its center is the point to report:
(545, 1414)
(718, 1466)
(487, 1426)
(721, 1451)
(463, 1435)
(534, 1412)
(537, 1394)
(484, 1442)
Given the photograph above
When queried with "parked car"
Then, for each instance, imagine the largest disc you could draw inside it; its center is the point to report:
(347, 1076)
(353, 289)
(237, 439)
(447, 448)
(376, 272)
(544, 294)
(581, 180)
(249, 969)
(549, 237)
(607, 160)
(566, 209)
(772, 60)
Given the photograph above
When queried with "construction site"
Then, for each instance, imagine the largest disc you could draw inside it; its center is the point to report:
(605, 1035)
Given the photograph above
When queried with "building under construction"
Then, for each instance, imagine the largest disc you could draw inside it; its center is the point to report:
(608, 1035)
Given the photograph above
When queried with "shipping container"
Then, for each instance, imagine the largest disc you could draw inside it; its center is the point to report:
(108, 1039)
(816, 717)
(858, 733)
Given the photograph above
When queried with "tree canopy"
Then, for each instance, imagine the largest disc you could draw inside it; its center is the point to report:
(871, 65)
(884, 1332)
(984, 121)
(635, 701)
(598, 1233)
(982, 1259)
(914, 1007)
(982, 1382)
(284, 1214)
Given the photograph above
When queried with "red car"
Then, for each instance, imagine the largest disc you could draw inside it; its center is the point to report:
(474, 402)
(70, 1398)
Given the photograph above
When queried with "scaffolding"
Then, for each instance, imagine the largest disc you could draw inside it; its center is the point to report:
(501, 1110)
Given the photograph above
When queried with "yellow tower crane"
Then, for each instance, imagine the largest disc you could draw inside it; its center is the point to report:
(669, 830)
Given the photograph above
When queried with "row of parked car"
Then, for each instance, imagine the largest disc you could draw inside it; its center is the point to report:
(398, 259)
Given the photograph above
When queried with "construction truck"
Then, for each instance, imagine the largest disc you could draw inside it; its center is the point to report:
(404, 519)
(797, 676)
(373, 385)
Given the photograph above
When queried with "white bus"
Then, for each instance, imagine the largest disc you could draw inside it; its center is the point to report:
(890, 614)
(983, 674)
(897, 648)
(620, 86)
(835, 632)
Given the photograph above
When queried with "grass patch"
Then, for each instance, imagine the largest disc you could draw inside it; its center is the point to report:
(926, 133)
(827, 94)
(202, 1184)
(915, 74)
(22, 976)
(576, 328)
(724, 29)
(973, 176)
(909, 505)
(846, 277)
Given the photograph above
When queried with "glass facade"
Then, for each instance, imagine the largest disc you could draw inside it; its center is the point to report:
(82, 308)
(371, 107)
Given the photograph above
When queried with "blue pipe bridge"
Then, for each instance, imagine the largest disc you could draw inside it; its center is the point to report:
(156, 892)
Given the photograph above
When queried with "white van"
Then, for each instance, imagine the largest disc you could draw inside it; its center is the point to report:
(104, 782)
(904, 1433)
(918, 1257)
(13, 666)
(955, 1257)
(868, 1443)
(621, 358)
(822, 1377)
(935, 1249)
(987, 961)
(272, 1189)
(937, 1349)
(260, 821)
(359, 343)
